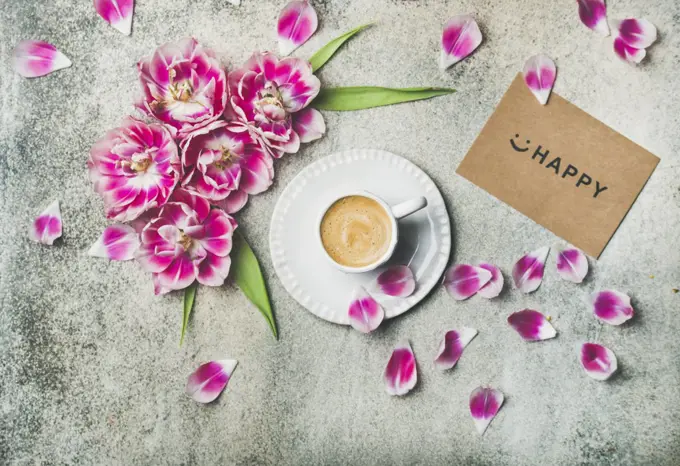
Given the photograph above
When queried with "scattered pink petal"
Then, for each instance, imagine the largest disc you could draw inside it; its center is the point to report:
(636, 33)
(494, 287)
(532, 325)
(528, 271)
(572, 265)
(460, 38)
(117, 243)
(593, 14)
(539, 75)
(612, 307)
(598, 362)
(485, 402)
(208, 381)
(309, 124)
(452, 347)
(463, 281)
(47, 227)
(35, 58)
(401, 373)
(627, 53)
(396, 281)
(297, 23)
(365, 314)
(118, 13)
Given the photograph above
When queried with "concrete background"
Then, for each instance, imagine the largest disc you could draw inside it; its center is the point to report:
(90, 367)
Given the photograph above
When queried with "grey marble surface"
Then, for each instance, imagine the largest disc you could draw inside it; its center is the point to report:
(90, 369)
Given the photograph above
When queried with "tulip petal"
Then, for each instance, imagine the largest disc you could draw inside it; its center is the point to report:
(485, 402)
(234, 202)
(539, 75)
(532, 325)
(463, 281)
(396, 281)
(297, 23)
(572, 265)
(365, 314)
(118, 13)
(460, 38)
(47, 227)
(117, 243)
(612, 307)
(207, 382)
(35, 58)
(528, 271)
(598, 361)
(309, 124)
(593, 14)
(452, 347)
(401, 373)
(494, 287)
(636, 33)
(627, 53)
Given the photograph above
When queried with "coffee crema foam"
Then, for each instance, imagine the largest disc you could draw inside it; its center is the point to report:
(356, 231)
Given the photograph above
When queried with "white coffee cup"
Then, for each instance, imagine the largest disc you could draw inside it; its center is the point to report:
(394, 213)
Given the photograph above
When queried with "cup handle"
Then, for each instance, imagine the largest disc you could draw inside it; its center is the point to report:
(408, 207)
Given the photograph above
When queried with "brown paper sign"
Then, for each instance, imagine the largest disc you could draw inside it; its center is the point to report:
(559, 166)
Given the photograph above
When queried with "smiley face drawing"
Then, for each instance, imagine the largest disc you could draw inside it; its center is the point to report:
(516, 147)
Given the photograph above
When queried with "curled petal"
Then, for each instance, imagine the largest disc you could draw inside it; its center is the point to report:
(532, 325)
(485, 402)
(47, 227)
(598, 361)
(627, 53)
(452, 347)
(612, 307)
(463, 281)
(234, 202)
(309, 124)
(572, 265)
(365, 314)
(207, 382)
(396, 281)
(636, 33)
(494, 287)
(528, 271)
(117, 243)
(118, 13)
(539, 76)
(401, 373)
(35, 58)
(297, 23)
(593, 14)
(460, 38)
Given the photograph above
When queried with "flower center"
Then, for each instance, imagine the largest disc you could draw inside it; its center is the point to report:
(226, 159)
(181, 91)
(185, 241)
(140, 166)
(270, 96)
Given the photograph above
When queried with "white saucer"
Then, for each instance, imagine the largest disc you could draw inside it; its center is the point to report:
(424, 237)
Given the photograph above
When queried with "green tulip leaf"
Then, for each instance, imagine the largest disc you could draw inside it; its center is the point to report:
(327, 51)
(189, 296)
(359, 98)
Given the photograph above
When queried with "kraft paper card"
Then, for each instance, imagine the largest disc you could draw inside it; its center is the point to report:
(558, 166)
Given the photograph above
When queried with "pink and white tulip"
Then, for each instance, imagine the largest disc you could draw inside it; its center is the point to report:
(118, 13)
(532, 325)
(396, 281)
(365, 314)
(297, 23)
(593, 14)
(47, 227)
(494, 286)
(528, 271)
(485, 402)
(184, 86)
(401, 373)
(572, 265)
(539, 75)
(463, 281)
(220, 160)
(598, 361)
(117, 243)
(134, 168)
(460, 38)
(612, 307)
(36, 58)
(187, 242)
(269, 95)
(207, 382)
(452, 346)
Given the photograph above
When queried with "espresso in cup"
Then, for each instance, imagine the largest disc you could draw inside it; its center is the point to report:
(356, 231)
